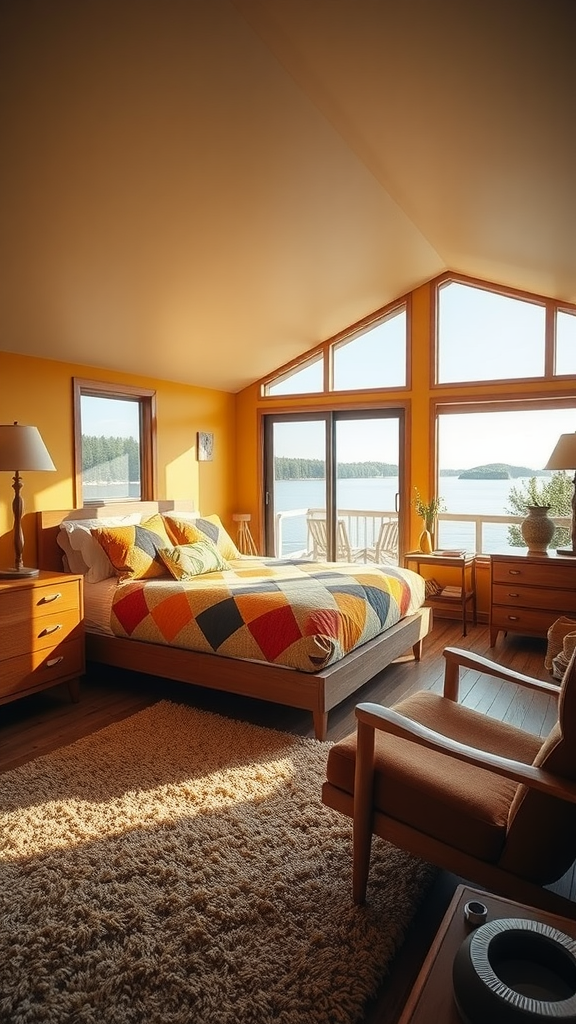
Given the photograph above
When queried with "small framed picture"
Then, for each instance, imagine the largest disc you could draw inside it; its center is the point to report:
(205, 446)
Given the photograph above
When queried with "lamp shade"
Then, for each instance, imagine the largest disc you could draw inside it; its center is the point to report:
(22, 448)
(564, 454)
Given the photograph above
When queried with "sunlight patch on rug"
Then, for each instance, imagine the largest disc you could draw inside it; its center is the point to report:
(179, 868)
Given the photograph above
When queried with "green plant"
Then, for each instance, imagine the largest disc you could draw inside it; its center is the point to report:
(555, 493)
(428, 510)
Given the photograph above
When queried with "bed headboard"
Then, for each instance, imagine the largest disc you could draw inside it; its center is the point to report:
(48, 523)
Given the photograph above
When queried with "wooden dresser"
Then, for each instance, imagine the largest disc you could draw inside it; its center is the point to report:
(41, 634)
(529, 592)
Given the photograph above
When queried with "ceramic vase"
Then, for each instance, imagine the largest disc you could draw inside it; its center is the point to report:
(537, 529)
(425, 542)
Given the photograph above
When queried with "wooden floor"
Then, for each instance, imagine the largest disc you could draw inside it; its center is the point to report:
(45, 721)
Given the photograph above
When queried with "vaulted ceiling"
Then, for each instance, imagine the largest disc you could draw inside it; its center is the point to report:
(202, 190)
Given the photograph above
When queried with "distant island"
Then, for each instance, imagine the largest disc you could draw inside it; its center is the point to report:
(287, 468)
(499, 471)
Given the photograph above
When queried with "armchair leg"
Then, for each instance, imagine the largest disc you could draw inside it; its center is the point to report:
(451, 680)
(363, 810)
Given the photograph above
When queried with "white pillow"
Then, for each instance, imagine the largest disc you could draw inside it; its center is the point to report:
(83, 550)
(186, 516)
(72, 561)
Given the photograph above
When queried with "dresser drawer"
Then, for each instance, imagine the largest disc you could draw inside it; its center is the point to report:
(39, 633)
(519, 596)
(33, 602)
(33, 671)
(522, 620)
(540, 574)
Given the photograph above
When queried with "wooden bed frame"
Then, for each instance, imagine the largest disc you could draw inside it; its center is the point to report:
(317, 692)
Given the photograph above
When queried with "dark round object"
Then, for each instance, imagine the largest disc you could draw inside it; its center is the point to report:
(515, 971)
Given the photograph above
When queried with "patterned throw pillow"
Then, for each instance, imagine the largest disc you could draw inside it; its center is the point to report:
(186, 532)
(83, 552)
(188, 560)
(133, 550)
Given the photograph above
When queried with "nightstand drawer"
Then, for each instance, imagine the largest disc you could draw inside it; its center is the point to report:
(33, 671)
(515, 596)
(522, 620)
(540, 573)
(25, 604)
(39, 633)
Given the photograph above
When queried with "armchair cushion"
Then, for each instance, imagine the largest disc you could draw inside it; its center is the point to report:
(459, 804)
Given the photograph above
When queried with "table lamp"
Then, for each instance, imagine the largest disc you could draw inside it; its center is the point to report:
(564, 457)
(21, 447)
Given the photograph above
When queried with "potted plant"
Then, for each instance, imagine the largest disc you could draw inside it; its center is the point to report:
(428, 511)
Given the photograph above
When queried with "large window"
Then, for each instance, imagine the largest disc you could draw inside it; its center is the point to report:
(371, 355)
(374, 358)
(566, 342)
(114, 428)
(333, 482)
(491, 461)
(487, 335)
(305, 379)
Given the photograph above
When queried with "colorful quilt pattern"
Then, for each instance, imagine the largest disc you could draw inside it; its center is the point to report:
(303, 615)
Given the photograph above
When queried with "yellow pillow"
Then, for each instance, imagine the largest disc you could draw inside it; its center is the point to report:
(185, 531)
(188, 560)
(133, 550)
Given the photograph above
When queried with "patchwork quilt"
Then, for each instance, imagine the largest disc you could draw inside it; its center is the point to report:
(303, 615)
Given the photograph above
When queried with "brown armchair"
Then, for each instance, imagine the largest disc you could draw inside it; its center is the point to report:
(471, 794)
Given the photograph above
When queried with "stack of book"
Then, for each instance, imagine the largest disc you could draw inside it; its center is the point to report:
(452, 553)
(451, 592)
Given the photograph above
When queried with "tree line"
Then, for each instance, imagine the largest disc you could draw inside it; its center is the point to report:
(286, 468)
(110, 458)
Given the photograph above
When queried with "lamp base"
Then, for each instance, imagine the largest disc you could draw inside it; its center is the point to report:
(18, 574)
(566, 551)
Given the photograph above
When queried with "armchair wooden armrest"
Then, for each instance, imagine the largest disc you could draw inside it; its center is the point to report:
(457, 658)
(374, 716)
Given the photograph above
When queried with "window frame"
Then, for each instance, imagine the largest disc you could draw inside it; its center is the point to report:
(551, 307)
(325, 351)
(488, 403)
(146, 399)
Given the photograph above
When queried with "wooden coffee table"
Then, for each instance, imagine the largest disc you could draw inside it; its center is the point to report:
(431, 998)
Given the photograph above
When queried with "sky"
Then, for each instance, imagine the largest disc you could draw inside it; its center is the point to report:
(109, 417)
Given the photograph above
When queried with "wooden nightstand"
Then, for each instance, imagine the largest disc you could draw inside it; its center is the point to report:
(466, 564)
(41, 621)
(529, 592)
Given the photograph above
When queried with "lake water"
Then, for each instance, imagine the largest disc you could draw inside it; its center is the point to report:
(474, 497)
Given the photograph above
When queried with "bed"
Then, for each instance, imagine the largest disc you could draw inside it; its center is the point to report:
(316, 689)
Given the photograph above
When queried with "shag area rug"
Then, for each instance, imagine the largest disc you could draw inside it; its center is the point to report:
(178, 867)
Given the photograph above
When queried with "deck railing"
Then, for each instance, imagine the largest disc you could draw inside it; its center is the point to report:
(484, 534)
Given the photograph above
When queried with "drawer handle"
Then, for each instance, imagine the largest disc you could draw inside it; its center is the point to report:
(54, 661)
(514, 572)
(512, 595)
(513, 618)
(49, 598)
(50, 629)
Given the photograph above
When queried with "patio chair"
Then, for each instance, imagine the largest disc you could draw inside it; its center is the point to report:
(473, 795)
(385, 551)
(317, 531)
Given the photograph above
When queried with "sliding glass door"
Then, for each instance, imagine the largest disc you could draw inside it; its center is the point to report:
(332, 485)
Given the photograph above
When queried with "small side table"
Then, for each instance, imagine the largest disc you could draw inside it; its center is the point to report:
(466, 563)
(432, 997)
(246, 545)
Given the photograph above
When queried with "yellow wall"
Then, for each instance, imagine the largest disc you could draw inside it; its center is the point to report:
(39, 392)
